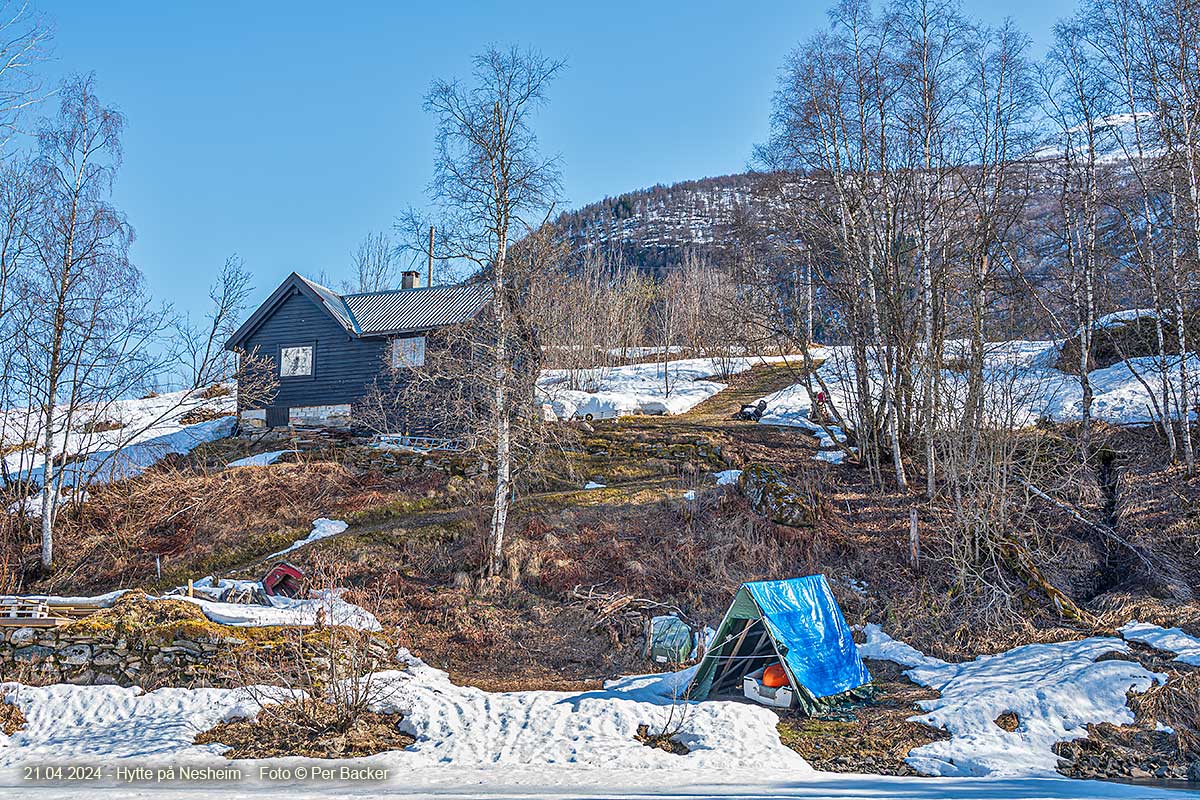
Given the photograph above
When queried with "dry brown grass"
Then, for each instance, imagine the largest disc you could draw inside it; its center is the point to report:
(660, 741)
(215, 391)
(873, 737)
(201, 414)
(1175, 704)
(9, 448)
(101, 426)
(201, 523)
(695, 553)
(280, 731)
(11, 718)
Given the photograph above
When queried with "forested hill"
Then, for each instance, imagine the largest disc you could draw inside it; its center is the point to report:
(653, 229)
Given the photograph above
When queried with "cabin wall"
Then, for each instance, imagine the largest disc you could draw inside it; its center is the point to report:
(344, 368)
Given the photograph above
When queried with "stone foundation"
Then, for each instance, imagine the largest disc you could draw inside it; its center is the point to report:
(336, 416)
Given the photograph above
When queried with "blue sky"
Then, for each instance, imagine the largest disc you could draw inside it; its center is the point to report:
(285, 131)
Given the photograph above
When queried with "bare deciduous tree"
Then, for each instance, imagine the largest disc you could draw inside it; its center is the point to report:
(81, 248)
(491, 186)
(376, 264)
(24, 40)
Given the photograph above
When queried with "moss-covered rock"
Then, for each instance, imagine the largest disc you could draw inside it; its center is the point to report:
(771, 496)
(138, 618)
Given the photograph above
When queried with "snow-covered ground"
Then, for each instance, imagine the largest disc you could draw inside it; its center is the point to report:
(609, 392)
(324, 607)
(149, 429)
(471, 743)
(1022, 386)
(1055, 690)
(1116, 139)
(1171, 640)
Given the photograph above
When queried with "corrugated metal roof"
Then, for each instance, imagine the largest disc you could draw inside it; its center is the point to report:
(415, 309)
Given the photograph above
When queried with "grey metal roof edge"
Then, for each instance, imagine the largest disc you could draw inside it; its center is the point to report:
(321, 291)
(345, 316)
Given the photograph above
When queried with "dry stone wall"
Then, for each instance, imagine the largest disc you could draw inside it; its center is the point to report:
(59, 655)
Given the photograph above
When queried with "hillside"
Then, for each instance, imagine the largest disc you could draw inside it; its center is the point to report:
(645, 512)
(655, 228)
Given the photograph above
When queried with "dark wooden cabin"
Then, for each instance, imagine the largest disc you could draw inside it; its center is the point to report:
(328, 350)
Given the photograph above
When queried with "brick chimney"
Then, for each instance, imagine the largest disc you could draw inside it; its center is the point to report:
(409, 279)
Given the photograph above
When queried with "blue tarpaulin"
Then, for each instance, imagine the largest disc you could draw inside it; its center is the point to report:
(797, 621)
(811, 633)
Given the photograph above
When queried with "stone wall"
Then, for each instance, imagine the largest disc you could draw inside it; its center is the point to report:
(62, 656)
(387, 461)
(152, 643)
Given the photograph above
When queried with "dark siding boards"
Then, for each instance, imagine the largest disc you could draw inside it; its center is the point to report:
(344, 368)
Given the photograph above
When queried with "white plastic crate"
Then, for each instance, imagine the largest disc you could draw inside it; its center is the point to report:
(753, 689)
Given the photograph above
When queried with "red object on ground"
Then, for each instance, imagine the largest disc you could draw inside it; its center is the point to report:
(283, 579)
(774, 676)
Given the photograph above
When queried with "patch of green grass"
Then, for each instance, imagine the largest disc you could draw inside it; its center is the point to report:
(795, 733)
(397, 509)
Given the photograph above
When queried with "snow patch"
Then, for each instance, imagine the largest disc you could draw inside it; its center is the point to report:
(149, 429)
(728, 477)
(608, 392)
(326, 608)
(321, 529)
(259, 460)
(455, 726)
(1055, 690)
(1021, 387)
(1170, 640)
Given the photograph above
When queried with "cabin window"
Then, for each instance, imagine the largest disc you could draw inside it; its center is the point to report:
(408, 353)
(296, 362)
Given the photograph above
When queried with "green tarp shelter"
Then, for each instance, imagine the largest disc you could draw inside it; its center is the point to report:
(796, 623)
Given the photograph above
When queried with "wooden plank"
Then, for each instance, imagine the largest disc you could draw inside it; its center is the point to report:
(39, 622)
(729, 659)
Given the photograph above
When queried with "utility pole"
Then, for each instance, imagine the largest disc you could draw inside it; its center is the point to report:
(429, 276)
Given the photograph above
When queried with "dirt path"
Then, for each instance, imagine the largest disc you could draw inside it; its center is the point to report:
(744, 388)
(741, 440)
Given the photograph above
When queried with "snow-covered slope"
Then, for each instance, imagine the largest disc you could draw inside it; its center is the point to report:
(1117, 139)
(1171, 640)
(144, 431)
(607, 392)
(1022, 387)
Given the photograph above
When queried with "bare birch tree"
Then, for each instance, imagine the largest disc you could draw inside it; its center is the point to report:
(376, 264)
(81, 250)
(490, 186)
(24, 42)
